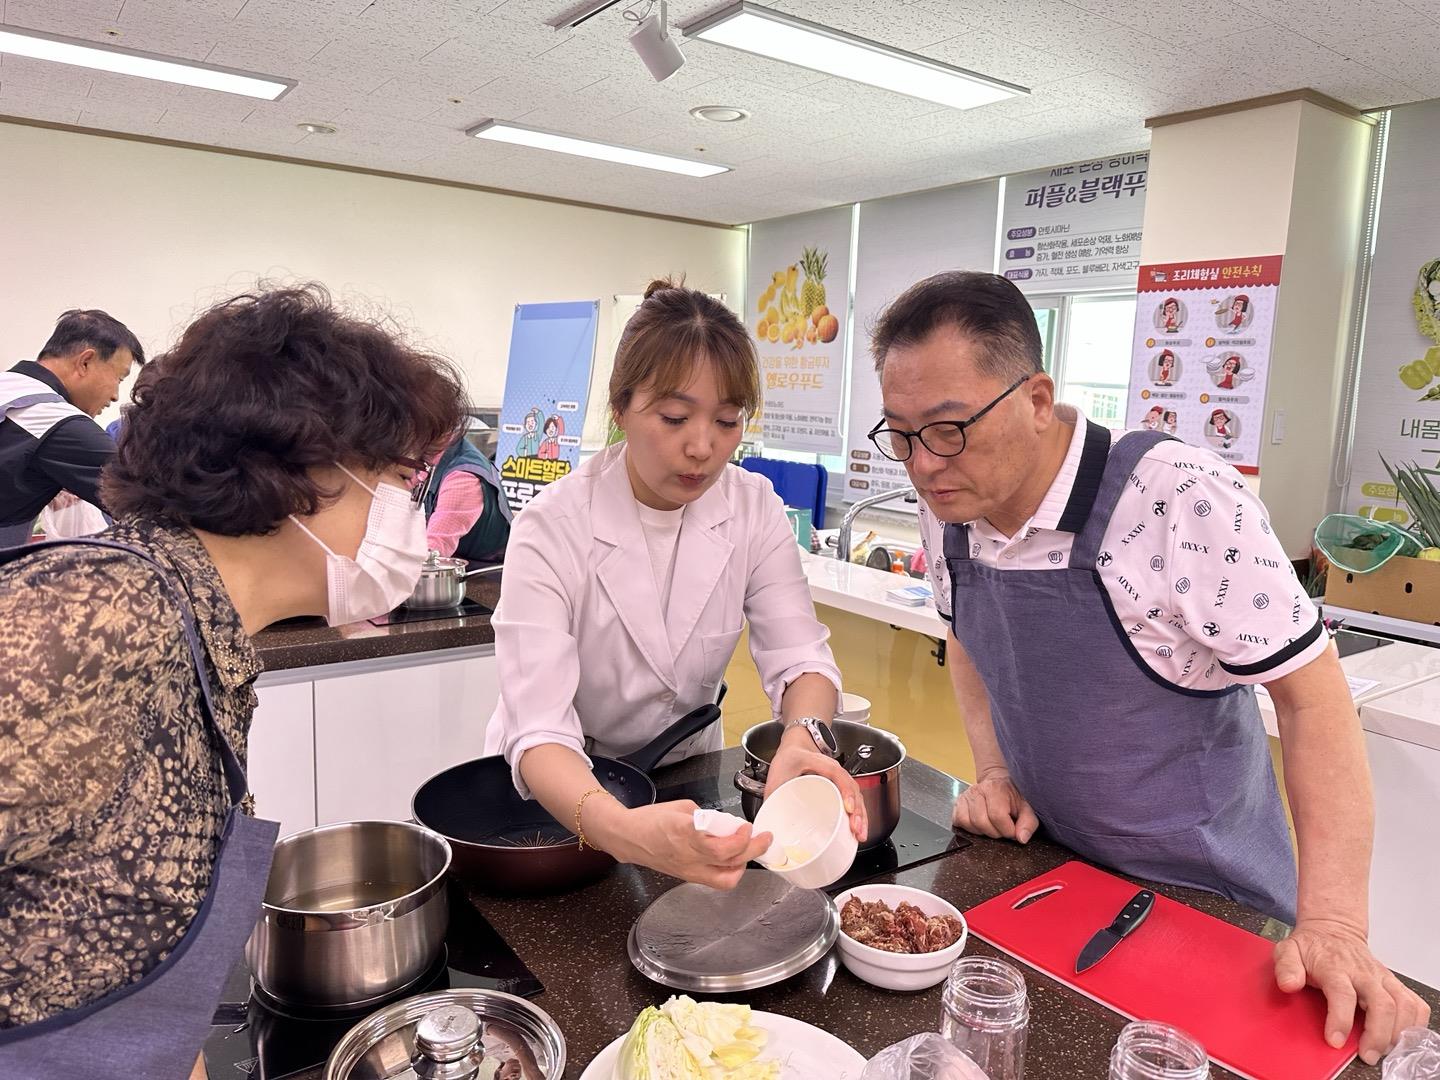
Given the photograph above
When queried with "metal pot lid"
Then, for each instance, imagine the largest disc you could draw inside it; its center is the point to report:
(436, 563)
(762, 932)
(382, 1046)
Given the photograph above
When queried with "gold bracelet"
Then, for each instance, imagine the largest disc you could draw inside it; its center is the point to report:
(579, 806)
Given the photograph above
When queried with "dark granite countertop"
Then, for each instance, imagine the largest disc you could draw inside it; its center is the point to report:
(298, 643)
(575, 943)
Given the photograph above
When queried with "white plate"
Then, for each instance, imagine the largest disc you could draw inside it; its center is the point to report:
(804, 1052)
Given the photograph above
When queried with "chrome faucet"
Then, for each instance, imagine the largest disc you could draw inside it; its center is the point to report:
(842, 541)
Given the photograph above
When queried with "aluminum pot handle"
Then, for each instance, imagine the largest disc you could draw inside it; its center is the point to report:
(749, 785)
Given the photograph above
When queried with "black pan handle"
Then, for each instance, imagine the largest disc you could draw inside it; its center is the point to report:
(692, 723)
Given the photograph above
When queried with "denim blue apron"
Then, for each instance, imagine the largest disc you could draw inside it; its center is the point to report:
(1123, 767)
(153, 1029)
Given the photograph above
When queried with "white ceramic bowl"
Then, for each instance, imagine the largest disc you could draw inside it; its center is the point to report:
(900, 971)
(854, 708)
(807, 814)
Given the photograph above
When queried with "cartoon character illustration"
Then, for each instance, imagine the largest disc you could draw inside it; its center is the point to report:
(1170, 316)
(1153, 418)
(1239, 313)
(529, 444)
(1172, 421)
(1223, 428)
(1165, 364)
(1229, 371)
(550, 445)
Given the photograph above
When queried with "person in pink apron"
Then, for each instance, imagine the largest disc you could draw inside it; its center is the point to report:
(263, 475)
(1114, 600)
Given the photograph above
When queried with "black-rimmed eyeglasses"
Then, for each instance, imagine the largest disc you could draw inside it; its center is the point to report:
(420, 478)
(943, 438)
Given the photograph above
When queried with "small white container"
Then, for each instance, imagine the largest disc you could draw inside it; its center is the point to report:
(900, 971)
(806, 818)
(854, 708)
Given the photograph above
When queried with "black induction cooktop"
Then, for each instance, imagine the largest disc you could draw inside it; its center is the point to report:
(254, 1037)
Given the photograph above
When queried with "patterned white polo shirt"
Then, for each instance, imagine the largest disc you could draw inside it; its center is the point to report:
(1196, 578)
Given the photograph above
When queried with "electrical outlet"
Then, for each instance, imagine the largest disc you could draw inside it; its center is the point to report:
(1277, 427)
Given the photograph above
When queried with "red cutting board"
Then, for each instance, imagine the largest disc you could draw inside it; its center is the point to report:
(1181, 966)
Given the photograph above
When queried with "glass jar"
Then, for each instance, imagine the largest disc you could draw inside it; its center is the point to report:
(1147, 1050)
(986, 1013)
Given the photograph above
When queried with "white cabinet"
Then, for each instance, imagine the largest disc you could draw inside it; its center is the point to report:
(1404, 872)
(380, 735)
(281, 763)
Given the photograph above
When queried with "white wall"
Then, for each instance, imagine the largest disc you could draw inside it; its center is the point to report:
(152, 233)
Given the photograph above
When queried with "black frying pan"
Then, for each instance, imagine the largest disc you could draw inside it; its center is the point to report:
(503, 843)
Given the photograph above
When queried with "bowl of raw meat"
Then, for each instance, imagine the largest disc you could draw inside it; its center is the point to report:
(898, 938)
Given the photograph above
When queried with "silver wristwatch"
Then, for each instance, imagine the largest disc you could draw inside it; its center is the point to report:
(820, 731)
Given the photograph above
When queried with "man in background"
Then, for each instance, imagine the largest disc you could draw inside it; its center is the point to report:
(49, 441)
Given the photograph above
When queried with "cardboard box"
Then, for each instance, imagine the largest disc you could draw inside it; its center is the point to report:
(1403, 589)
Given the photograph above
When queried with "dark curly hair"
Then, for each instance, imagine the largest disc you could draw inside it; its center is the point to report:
(262, 388)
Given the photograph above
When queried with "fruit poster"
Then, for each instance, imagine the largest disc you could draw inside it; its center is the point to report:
(1076, 227)
(1201, 359)
(1397, 407)
(552, 348)
(796, 308)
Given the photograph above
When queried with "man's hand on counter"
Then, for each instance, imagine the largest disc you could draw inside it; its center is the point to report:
(1336, 959)
(799, 756)
(994, 807)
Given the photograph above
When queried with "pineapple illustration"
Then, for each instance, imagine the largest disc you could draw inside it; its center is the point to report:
(812, 295)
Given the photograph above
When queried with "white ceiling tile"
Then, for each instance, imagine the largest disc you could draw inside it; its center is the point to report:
(383, 73)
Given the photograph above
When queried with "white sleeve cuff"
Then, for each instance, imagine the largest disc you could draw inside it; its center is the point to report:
(516, 751)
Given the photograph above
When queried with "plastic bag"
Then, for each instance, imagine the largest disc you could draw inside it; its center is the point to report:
(1415, 1057)
(68, 517)
(923, 1057)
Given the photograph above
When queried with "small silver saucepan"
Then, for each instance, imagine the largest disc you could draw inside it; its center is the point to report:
(353, 912)
(878, 775)
(442, 583)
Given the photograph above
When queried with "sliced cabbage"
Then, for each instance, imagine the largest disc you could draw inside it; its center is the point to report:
(690, 1040)
(654, 1050)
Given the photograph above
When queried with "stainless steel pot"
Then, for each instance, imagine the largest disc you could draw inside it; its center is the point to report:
(878, 778)
(442, 583)
(353, 912)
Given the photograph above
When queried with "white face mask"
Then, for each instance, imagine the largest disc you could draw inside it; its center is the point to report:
(384, 571)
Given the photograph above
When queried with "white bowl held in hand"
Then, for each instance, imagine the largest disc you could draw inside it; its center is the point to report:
(813, 845)
(900, 971)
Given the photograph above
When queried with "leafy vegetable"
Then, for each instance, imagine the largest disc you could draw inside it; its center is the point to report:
(1427, 300)
(689, 1040)
(1415, 487)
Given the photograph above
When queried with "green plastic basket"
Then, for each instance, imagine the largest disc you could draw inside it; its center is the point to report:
(1359, 545)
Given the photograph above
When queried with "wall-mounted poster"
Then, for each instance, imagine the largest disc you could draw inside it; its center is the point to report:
(1201, 356)
(1397, 407)
(552, 347)
(1075, 227)
(799, 293)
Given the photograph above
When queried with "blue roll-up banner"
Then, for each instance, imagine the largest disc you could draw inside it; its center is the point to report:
(552, 349)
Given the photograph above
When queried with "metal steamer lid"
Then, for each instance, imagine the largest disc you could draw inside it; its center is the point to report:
(383, 1046)
(762, 932)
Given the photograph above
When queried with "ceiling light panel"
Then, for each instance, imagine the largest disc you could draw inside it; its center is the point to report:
(500, 131)
(777, 36)
(85, 54)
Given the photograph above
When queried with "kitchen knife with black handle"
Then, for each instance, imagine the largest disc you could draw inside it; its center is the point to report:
(1126, 923)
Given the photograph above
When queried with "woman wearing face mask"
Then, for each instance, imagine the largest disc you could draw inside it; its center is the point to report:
(629, 582)
(262, 476)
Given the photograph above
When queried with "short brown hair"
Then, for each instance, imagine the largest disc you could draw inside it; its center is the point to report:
(671, 331)
(985, 307)
(261, 389)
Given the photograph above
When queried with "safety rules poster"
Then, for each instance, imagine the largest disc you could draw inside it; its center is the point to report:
(1201, 359)
(552, 348)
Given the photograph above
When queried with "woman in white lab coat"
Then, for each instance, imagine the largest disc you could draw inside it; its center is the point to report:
(627, 586)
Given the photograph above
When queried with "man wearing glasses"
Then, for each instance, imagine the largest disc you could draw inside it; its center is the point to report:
(1113, 602)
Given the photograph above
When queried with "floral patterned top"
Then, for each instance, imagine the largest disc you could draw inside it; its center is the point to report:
(112, 793)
